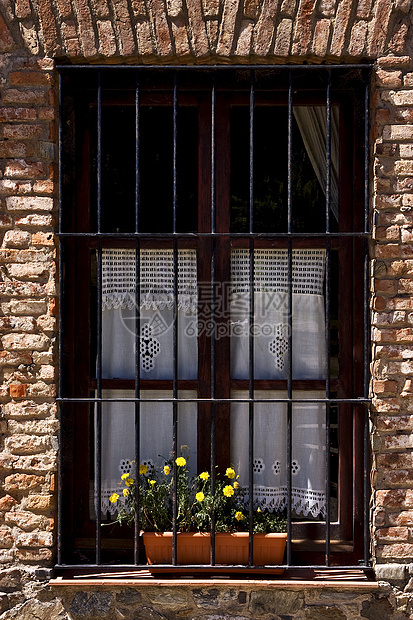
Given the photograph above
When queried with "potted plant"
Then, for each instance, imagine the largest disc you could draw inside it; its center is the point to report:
(197, 501)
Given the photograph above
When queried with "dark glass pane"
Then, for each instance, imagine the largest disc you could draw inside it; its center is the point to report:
(271, 175)
(156, 169)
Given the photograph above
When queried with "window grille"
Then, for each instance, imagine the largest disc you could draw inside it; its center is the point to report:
(174, 202)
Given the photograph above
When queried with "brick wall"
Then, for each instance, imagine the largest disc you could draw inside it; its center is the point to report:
(32, 37)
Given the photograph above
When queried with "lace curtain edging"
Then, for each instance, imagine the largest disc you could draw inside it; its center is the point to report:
(157, 280)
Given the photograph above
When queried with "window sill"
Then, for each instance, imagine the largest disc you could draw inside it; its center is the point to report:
(291, 580)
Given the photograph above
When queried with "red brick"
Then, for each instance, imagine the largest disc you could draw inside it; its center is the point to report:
(403, 518)
(385, 286)
(395, 498)
(160, 27)
(384, 386)
(392, 552)
(22, 9)
(22, 169)
(23, 132)
(22, 482)
(303, 27)
(405, 286)
(389, 250)
(18, 390)
(7, 502)
(341, 24)
(264, 29)
(392, 533)
(29, 78)
(29, 97)
(49, 28)
(13, 148)
(34, 555)
(126, 38)
(283, 38)
(6, 40)
(85, 23)
(198, 33)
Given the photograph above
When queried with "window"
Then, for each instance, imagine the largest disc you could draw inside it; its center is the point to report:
(213, 238)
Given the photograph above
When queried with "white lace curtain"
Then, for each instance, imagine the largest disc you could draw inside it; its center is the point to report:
(270, 325)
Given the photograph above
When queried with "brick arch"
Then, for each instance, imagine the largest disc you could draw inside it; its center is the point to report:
(206, 30)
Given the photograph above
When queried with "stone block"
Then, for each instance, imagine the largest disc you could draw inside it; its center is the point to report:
(264, 602)
(390, 572)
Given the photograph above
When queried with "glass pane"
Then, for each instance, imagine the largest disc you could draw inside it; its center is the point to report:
(156, 169)
(271, 169)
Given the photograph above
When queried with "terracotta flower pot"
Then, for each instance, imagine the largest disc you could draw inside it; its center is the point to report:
(230, 548)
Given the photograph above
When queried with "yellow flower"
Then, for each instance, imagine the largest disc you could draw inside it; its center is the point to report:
(126, 492)
(143, 469)
(114, 498)
(228, 490)
(236, 485)
(204, 475)
(129, 482)
(230, 473)
(124, 476)
(152, 482)
(180, 461)
(200, 497)
(258, 509)
(166, 470)
(239, 516)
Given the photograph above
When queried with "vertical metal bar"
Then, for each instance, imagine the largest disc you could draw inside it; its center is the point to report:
(61, 306)
(327, 317)
(98, 417)
(250, 323)
(137, 318)
(175, 315)
(366, 149)
(289, 311)
(366, 320)
(213, 224)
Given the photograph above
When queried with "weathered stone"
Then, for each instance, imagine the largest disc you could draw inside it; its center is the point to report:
(173, 599)
(376, 609)
(269, 602)
(390, 572)
(129, 597)
(227, 28)
(34, 609)
(146, 613)
(91, 604)
(325, 612)
(10, 579)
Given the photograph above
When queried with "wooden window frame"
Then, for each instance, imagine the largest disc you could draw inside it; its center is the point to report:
(78, 382)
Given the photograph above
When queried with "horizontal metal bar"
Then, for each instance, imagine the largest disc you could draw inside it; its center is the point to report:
(196, 68)
(190, 235)
(219, 568)
(357, 401)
